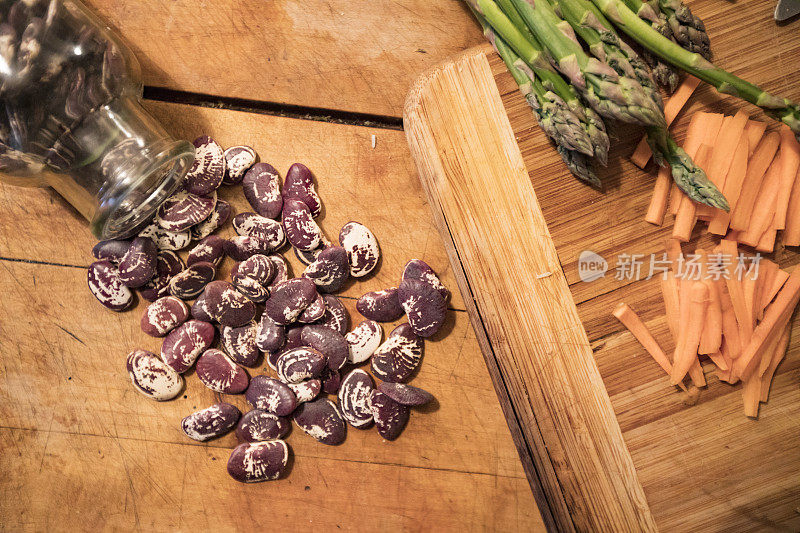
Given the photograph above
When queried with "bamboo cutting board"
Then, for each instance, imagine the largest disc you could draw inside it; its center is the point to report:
(607, 444)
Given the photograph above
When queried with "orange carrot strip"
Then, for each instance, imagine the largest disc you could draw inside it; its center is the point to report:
(777, 357)
(730, 328)
(672, 107)
(766, 243)
(764, 210)
(791, 235)
(754, 131)
(733, 188)
(695, 373)
(635, 325)
(725, 375)
(767, 270)
(725, 146)
(756, 169)
(674, 253)
(670, 291)
(776, 315)
(736, 292)
(675, 197)
(719, 360)
(691, 327)
(780, 278)
(658, 202)
(788, 162)
(711, 337)
(686, 217)
(751, 395)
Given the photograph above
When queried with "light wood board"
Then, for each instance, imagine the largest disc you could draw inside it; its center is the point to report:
(79, 447)
(702, 467)
(332, 54)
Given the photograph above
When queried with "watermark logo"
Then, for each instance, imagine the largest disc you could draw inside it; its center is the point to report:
(591, 266)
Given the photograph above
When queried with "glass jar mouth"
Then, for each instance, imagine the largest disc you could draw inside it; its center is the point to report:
(134, 202)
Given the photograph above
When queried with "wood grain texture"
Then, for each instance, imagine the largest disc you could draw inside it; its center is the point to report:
(375, 186)
(483, 200)
(703, 465)
(331, 54)
(75, 432)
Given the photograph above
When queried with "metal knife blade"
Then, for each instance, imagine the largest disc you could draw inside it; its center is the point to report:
(786, 9)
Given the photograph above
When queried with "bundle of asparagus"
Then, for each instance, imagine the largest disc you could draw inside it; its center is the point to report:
(533, 35)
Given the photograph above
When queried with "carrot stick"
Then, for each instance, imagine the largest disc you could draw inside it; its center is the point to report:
(675, 197)
(754, 131)
(780, 278)
(719, 360)
(788, 162)
(751, 285)
(674, 253)
(672, 107)
(725, 375)
(730, 328)
(791, 235)
(767, 270)
(635, 325)
(686, 217)
(751, 396)
(776, 315)
(724, 147)
(696, 374)
(691, 327)
(670, 290)
(658, 202)
(756, 169)
(777, 357)
(733, 188)
(711, 337)
(764, 209)
(766, 243)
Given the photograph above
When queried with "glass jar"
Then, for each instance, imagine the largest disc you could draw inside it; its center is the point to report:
(71, 119)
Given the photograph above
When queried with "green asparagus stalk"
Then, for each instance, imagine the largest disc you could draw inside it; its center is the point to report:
(604, 43)
(687, 175)
(781, 108)
(689, 30)
(606, 91)
(537, 61)
(665, 74)
(552, 113)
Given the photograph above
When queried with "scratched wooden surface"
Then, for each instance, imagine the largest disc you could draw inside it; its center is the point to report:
(703, 467)
(74, 432)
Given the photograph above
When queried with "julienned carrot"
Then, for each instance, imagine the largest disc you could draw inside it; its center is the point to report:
(791, 235)
(696, 374)
(777, 357)
(752, 297)
(751, 395)
(634, 324)
(767, 270)
(756, 168)
(754, 131)
(732, 189)
(764, 208)
(719, 360)
(730, 328)
(687, 212)
(711, 337)
(672, 107)
(725, 375)
(674, 253)
(788, 161)
(776, 317)
(683, 287)
(735, 290)
(724, 147)
(675, 197)
(670, 291)
(780, 278)
(766, 243)
(690, 329)
(658, 202)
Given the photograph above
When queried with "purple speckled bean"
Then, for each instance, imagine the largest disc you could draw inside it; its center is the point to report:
(299, 185)
(399, 356)
(208, 169)
(258, 425)
(315, 311)
(227, 305)
(363, 341)
(241, 248)
(210, 249)
(271, 395)
(405, 394)
(322, 420)
(261, 185)
(211, 422)
(183, 210)
(424, 306)
(419, 269)
(330, 270)
(307, 390)
(381, 306)
(301, 230)
(192, 281)
(238, 160)
(355, 396)
(240, 343)
(218, 217)
(104, 282)
(184, 344)
(362, 248)
(327, 342)
(220, 374)
(298, 364)
(251, 462)
(152, 377)
(164, 315)
(269, 335)
(138, 265)
(254, 225)
(390, 417)
(289, 299)
(111, 251)
(168, 265)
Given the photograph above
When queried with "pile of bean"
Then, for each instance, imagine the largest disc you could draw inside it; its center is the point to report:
(301, 328)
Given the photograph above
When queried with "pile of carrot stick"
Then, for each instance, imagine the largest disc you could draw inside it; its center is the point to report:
(757, 171)
(739, 318)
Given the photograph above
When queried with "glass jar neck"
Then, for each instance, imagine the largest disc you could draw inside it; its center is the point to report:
(123, 166)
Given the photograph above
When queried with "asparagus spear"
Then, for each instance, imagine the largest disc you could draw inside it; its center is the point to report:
(781, 108)
(604, 43)
(552, 113)
(665, 74)
(606, 91)
(536, 60)
(687, 175)
(689, 30)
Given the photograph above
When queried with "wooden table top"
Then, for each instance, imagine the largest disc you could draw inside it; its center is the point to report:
(80, 448)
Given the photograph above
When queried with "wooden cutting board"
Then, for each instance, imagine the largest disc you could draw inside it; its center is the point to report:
(607, 444)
